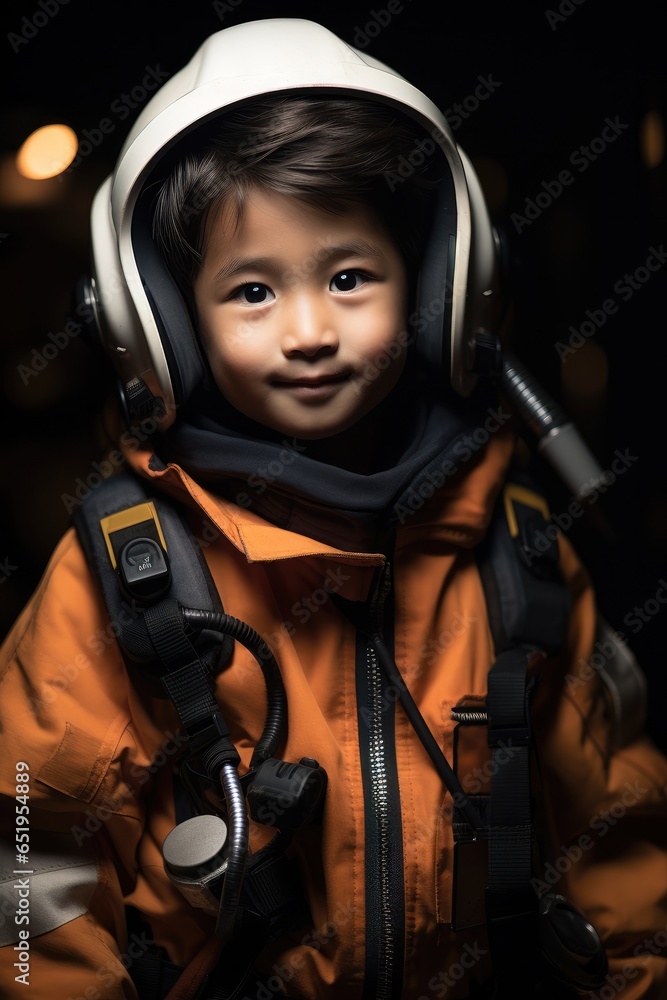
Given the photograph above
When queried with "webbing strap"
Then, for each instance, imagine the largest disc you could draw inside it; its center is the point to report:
(165, 627)
(153, 976)
(190, 691)
(510, 899)
(188, 682)
(273, 890)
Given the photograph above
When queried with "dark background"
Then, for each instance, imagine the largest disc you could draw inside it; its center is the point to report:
(559, 72)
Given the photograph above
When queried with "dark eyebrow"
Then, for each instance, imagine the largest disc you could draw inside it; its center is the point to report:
(237, 264)
(354, 247)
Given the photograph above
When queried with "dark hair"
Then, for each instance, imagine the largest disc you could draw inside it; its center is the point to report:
(332, 153)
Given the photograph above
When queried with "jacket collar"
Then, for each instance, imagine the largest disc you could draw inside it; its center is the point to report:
(456, 509)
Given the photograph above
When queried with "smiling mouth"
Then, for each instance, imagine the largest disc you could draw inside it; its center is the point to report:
(313, 381)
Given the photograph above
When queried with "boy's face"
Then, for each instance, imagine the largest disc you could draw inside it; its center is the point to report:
(302, 313)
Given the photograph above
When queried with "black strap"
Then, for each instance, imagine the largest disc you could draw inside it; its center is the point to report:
(511, 902)
(188, 683)
(273, 904)
(191, 585)
(527, 600)
(272, 888)
(167, 632)
(528, 609)
(152, 973)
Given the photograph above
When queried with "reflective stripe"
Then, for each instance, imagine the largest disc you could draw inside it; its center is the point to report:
(54, 887)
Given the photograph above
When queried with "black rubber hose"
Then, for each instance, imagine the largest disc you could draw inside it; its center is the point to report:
(442, 766)
(275, 726)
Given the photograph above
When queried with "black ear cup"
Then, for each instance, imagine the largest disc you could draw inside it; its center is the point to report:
(84, 312)
(431, 321)
(137, 402)
(570, 945)
(505, 270)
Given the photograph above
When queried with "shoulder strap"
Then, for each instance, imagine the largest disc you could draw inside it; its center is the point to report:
(122, 509)
(150, 566)
(527, 600)
(528, 605)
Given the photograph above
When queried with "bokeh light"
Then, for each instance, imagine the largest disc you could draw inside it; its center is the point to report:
(47, 152)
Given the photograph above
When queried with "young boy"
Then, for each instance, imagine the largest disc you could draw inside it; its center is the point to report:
(292, 267)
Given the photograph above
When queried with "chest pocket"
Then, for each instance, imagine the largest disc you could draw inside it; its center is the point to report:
(90, 768)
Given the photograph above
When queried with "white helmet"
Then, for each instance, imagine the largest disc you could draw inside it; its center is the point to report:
(139, 312)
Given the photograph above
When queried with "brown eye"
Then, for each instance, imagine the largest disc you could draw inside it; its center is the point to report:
(347, 281)
(255, 293)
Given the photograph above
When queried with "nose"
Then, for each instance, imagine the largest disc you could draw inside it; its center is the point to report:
(309, 328)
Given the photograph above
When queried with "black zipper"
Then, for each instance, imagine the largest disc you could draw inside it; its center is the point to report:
(385, 904)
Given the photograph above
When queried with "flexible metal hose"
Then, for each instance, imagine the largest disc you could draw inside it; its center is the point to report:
(273, 735)
(540, 412)
(558, 439)
(237, 852)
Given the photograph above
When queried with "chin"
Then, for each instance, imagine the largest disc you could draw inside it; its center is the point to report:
(311, 434)
(314, 431)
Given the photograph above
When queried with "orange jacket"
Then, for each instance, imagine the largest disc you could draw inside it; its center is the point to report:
(99, 755)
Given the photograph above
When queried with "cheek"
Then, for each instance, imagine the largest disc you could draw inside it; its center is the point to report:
(230, 344)
(385, 333)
